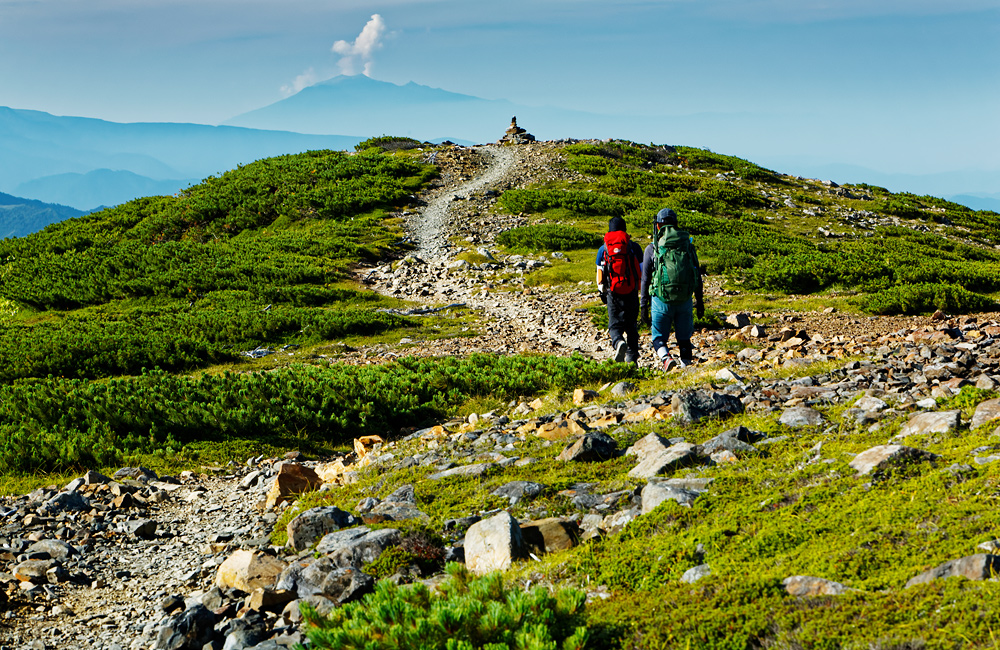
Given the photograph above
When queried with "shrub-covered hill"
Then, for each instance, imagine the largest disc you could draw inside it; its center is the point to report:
(258, 258)
(104, 314)
(250, 258)
(768, 232)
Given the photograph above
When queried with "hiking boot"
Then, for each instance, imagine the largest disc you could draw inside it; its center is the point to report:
(621, 349)
(668, 364)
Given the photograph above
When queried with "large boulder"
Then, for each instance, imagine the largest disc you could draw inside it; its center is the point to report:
(311, 525)
(931, 422)
(325, 578)
(550, 535)
(192, 629)
(592, 447)
(248, 570)
(691, 405)
(986, 412)
(974, 567)
(356, 547)
(493, 544)
(674, 457)
(882, 457)
(292, 479)
(656, 493)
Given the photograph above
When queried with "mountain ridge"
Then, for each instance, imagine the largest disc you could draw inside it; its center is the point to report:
(21, 216)
(35, 144)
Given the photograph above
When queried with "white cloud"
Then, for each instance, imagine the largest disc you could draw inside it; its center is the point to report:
(304, 80)
(360, 51)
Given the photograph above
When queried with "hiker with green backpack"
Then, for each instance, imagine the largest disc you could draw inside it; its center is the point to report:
(671, 289)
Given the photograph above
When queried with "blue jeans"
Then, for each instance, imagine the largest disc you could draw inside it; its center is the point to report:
(680, 317)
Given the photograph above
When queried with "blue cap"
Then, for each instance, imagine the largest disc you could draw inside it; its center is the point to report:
(666, 216)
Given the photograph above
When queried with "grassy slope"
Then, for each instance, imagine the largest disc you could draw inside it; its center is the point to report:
(792, 511)
(771, 234)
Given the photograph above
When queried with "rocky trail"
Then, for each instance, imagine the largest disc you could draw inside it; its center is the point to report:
(140, 561)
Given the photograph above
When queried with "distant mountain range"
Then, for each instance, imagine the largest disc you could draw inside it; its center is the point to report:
(95, 162)
(20, 217)
(84, 162)
(360, 104)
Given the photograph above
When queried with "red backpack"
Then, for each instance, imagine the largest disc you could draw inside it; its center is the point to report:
(621, 266)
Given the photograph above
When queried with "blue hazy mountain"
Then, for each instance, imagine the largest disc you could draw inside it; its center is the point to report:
(977, 201)
(99, 187)
(360, 104)
(20, 217)
(35, 145)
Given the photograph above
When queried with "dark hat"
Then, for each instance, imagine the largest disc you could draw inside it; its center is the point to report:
(616, 224)
(666, 216)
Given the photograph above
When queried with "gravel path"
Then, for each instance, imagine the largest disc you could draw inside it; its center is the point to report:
(430, 227)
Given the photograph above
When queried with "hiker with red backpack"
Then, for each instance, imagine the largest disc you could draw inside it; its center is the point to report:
(671, 277)
(619, 274)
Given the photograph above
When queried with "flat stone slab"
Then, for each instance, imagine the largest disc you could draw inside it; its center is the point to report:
(648, 445)
(357, 546)
(931, 422)
(986, 412)
(677, 456)
(974, 567)
(478, 469)
(805, 586)
(797, 417)
(884, 455)
(656, 493)
(690, 406)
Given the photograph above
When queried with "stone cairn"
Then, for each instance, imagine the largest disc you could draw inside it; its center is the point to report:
(515, 134)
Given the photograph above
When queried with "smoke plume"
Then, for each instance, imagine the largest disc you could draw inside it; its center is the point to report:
(359, 53)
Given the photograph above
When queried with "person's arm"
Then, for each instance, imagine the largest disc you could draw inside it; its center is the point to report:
(647, 275)
(599, 278)
(648, 259)
(699, 287)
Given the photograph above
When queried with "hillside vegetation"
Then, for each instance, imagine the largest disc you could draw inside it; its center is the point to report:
(98, 311)
(178, 331)
(767, 232)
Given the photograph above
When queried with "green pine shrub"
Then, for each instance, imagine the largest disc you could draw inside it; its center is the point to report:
(389, 143)
(924, 299)
(582, 203)
(548, 237)
(468, 613)
(50, 424)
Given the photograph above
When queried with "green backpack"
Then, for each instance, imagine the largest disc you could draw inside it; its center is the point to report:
(675, 276)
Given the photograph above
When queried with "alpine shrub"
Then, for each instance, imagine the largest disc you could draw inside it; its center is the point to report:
(924, 298)
(468, 613)
(388, 143)
(548, 237)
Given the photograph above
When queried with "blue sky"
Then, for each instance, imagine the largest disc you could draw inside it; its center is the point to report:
(901, 86)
